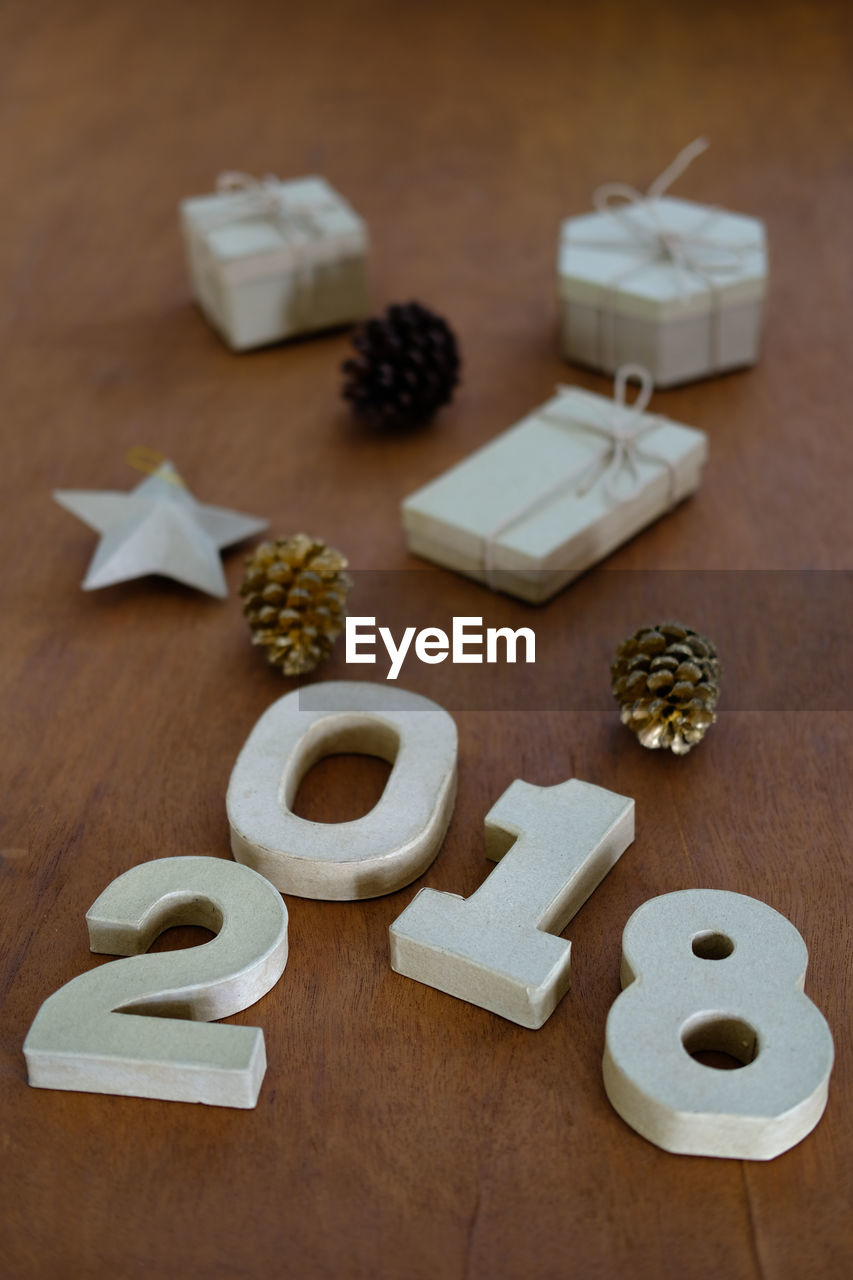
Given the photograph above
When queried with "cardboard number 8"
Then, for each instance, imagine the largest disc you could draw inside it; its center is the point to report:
(710, 970)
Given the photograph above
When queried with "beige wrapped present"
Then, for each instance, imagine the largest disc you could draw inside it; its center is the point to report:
(558, 491)
(269, 259)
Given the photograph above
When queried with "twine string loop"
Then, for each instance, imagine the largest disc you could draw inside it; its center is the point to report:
(151, 462)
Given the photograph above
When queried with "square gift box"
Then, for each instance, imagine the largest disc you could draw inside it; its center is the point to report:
(555, 493)
(269, 259)
(675, 286)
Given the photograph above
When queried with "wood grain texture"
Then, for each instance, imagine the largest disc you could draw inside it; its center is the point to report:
(400, 1133)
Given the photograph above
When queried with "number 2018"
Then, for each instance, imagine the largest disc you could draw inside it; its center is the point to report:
(701, 969)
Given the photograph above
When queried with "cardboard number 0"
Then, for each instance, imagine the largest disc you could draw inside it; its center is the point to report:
(91, 1035)
(710, 970)
(375, 854)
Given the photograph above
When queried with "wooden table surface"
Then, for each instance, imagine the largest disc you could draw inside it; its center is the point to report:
(401, 1133)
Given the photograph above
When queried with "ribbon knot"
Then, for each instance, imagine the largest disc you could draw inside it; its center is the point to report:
(264, 194)
(671, 244)
(267, 199)
(236, 180)
(690, 251)
(622, 427)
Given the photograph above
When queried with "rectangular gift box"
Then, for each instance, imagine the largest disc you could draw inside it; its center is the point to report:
(675, 286)
(269, 259)
(552, 495)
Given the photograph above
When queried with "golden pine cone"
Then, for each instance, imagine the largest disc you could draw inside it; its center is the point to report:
(295, 590)
(666, 680)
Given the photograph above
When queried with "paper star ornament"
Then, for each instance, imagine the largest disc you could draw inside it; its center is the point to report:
(158, 527)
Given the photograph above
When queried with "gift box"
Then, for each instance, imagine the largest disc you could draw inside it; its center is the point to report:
(675, 286)
(558, 491)
(270, 259)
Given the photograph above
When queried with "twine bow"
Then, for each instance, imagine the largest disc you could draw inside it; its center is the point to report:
(265, 198)
(690, 251)
(622, 427)
(231, 180)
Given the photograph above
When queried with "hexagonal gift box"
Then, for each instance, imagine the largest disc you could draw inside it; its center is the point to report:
(675, 286)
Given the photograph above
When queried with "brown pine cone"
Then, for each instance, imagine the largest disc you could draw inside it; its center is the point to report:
(405, 368)
(666, 680)
(295, 590)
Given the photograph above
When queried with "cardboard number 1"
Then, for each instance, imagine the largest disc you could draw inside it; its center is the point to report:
(555, 845)
(120, 1028)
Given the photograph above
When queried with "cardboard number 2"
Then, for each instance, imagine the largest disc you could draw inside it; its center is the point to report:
(709, 971)
(121, 1028)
